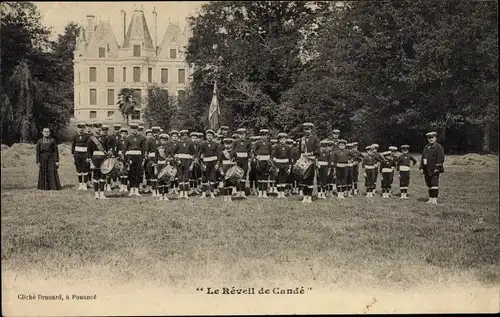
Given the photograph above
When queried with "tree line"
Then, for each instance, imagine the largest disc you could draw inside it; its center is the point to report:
(384, 71)
(380, 71)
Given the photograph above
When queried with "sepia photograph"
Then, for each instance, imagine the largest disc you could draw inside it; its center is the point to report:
(249, 157)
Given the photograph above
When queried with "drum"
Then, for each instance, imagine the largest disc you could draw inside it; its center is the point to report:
(167, 173)
(111, 167)
(302, 167)
(234, 174)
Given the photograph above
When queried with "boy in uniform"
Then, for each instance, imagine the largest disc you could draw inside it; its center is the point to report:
(242, 148)
(97, 151)
(252, 176)
(209, 155)
(262, 151)
(282, 157)
(387, 168)
(121, 154)
(89, 131)
(309, 147)
(404, 162)
(135, 151)
(370, 165)
(184, 151)
(79, 152)
(324, 165)
(357, 159)
(340, 161)
(226, 160)
(161, 160)
(174, 139)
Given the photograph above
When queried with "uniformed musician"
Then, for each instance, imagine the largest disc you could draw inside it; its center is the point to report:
(79, 152)
(309, 147)
(135, 149)
(431, 165)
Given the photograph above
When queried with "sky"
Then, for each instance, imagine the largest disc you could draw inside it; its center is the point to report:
(58, 14)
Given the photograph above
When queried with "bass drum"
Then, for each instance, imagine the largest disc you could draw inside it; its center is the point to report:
(303, 167)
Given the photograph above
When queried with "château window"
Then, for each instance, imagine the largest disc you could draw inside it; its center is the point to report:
(111, 115)
(182, 76)
(150, 75)
(173, 53)
(92, 114)
(111, 75)
(92, 74)
(111, 97)
(164, 75)
(137, 51)
(102, 52)
(137, 74)
(93, 97)
(124, 74)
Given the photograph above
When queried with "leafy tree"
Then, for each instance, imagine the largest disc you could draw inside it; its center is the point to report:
(126, 102)
(161, 109)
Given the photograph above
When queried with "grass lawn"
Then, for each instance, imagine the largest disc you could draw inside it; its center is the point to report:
(361, 243)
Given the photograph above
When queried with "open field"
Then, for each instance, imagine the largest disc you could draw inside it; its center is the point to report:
(407, 253)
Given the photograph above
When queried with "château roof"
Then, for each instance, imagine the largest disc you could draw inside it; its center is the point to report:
(138, 31)
(103, 35)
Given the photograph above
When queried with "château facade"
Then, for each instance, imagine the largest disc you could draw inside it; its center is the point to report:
(102, 67)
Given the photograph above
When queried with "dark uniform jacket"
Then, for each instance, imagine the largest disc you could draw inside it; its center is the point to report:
(370, 160)
(184, 150)
(151, 145)
(310, 145)
(341, 158)
(135, 143)
(226, 159)
(93, 147)
(432, 157)
(208, 151)
(325, 158)
(405, 160)
(282, 156)
(242, 148)
(162, 154)
(79, 144)
(388, 163)
(262, 148)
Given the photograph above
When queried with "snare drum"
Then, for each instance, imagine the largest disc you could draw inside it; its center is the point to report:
(302, 167)
(167, 173)
(234, 174)
(111, 167)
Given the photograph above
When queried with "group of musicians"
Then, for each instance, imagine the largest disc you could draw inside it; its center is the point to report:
(211, 163)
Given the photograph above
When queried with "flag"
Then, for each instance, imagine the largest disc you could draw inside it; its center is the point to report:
(214, 111)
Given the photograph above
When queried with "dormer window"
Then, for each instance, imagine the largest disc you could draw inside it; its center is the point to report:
(102, 52)
(173, 53)
(137, 51)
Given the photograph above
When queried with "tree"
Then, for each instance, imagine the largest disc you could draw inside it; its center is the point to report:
(252, 50)
(21, 91)
(161, 109)
(126, 102)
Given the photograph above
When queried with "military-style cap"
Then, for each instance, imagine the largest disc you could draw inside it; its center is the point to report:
(148, 131)
(97, 124)
(80, 125)
(117, 126)
(174, 132)
(336, 131)
(343, 141)
(308, 125)
(156, 129)
(224, 127)
(264, 131)
(375, 146)
(164, 136)
(405, 146)
(241, 130)
(161, 130)
(369, 147)
(235, 136)
(393, 148)
(386, 153)
(228, 140)
(89, 124)
(324, 142)
(105, 127)
(210, 131)
(123, 129)
(431, 134)
(349, 145)
(134, 126)
(193, 134)
(141, 127)
(183, 132)
(282, 135)
(290, 141)
(354, 143)
(218, 136)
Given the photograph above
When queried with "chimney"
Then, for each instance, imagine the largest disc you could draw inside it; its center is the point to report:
(90, 25)
(155, 28)
(124, 25)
